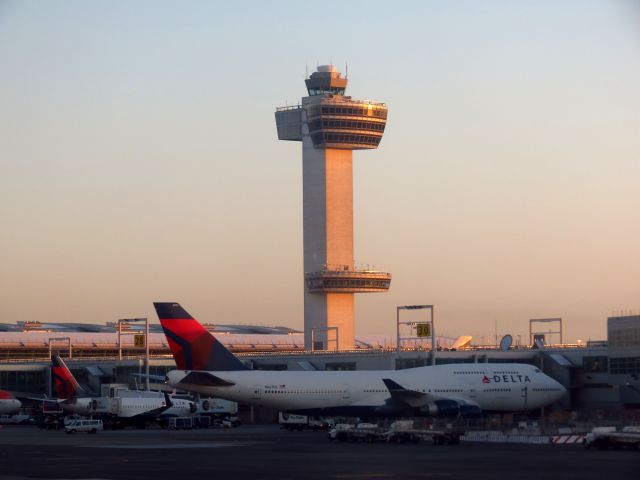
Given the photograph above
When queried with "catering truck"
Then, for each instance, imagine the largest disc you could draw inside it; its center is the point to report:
(291, 422)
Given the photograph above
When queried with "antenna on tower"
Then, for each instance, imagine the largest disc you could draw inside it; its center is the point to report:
(306, 70)
(346, 70)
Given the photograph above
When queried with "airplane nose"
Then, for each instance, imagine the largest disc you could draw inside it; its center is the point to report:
(561, 390)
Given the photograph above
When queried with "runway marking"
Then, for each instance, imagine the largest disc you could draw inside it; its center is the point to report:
(387, 475)
(158, 446)
(364, 475)
(70, 459)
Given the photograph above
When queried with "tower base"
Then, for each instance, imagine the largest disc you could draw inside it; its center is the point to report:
(329, 321)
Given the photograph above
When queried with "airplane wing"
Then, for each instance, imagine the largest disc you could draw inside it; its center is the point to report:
(406, 396)
(42, 399)
(50, 402)
(447, 406)
(155, 378)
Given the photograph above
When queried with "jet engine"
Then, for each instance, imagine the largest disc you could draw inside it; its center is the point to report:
(451, 409)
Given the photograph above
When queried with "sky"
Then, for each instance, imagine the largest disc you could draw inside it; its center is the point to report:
(139, 159)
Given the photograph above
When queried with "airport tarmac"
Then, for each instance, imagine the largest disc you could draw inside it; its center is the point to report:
(267, 452)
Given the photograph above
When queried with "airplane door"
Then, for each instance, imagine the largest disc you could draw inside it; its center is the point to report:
(473, 394)
(256, 393)
(346, 392)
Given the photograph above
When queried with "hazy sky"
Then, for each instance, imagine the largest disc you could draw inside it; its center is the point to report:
(139, 159)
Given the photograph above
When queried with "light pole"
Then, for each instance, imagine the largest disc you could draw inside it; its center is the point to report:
(124, 322)
(413, 323)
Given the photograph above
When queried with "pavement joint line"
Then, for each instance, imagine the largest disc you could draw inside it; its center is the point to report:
(164, 446)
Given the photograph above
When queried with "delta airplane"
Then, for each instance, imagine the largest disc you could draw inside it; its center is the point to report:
(8, 403)
(73, 398)
(205, 366)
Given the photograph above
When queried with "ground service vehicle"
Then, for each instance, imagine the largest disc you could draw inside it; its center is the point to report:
(291, 422)
(361, 432)
(401, 431)
(88, 426)
(603, 438)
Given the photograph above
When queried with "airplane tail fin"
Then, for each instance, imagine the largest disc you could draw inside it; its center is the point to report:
(66, 384)
(193, 347)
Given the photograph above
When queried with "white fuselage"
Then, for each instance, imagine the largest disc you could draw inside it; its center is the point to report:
(493, 387)
(127, 407)
(130, 407)
(9, 405)
(79, 405)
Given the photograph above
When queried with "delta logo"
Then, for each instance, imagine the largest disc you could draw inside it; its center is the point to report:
(506, 379)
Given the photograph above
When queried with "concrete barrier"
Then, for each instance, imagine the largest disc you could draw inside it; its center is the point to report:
(567, 439)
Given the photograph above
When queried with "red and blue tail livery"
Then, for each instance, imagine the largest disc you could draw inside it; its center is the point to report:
(193, 347)
(66, 385)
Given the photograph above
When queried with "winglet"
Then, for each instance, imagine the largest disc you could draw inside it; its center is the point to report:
(392, 385)
(395, 389)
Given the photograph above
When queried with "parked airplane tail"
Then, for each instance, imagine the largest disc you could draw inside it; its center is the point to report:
(66, 384)
(193, 347)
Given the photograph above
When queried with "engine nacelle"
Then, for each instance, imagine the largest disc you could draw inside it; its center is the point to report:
(393, 411)
(452, 409)
(470, 411)
(444, 408)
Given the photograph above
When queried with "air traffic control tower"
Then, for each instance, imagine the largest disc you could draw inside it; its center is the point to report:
(330, 126)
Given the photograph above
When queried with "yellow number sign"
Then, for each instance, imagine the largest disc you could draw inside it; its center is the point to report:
(138, 340)
(424, 329)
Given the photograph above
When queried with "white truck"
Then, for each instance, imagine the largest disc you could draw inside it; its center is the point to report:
(291, 422)
(361, 432)
(403, 431)
(216, 406)
(83, 425)
(603, 438)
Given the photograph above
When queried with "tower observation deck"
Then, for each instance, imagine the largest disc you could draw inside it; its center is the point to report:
(330, 126)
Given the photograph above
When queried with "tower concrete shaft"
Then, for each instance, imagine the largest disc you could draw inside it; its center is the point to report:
(328, 242)
(330, 126)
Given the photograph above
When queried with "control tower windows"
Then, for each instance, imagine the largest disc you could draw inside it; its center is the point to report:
(318, 124)
(331, 91)
(338, 110)
(328, 138)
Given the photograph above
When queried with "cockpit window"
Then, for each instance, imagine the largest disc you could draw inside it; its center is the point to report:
(537, 370)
